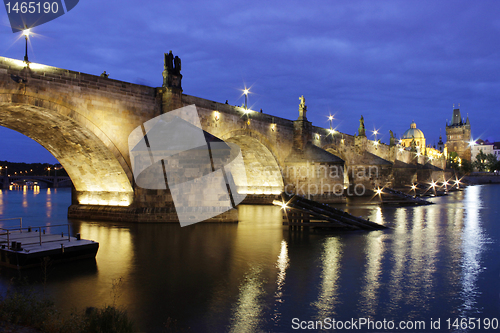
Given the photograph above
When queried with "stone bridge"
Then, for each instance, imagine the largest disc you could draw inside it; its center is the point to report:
(85, 120)
(54, 181)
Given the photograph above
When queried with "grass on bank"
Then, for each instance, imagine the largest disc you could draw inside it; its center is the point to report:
(25, 307)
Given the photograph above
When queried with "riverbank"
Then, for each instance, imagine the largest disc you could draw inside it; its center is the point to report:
(24, 311)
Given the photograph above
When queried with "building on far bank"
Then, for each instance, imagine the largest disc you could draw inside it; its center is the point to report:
(481, 145)
(496, 150)
(458, 136)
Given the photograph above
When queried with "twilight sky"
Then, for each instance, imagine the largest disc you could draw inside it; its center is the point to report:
(390, 61)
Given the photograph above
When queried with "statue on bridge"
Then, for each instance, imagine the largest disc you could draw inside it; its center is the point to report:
(177, 64)
(393, 139)
(172, 71)
(169, 58)
(361, 129)
(302, 108)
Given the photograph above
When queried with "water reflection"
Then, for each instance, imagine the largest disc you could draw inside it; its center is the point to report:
(1, 201)
(328, 290)
(282, 265)
(472, 247)
(247, 314)
(399, 248)
(374, 252)
(257, 276)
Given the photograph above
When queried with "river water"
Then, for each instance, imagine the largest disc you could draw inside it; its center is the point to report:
(435, 264)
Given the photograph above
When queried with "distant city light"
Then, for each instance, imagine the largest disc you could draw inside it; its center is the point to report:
(379, 191)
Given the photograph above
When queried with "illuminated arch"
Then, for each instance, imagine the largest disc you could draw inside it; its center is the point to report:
(263, 172)
(98, 171)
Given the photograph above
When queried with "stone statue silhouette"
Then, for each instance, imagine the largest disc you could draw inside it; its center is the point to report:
(169, 58)
(177, 63)
(302, 101)
(361, 129)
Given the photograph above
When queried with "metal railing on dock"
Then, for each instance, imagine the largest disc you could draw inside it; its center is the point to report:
(14, 234)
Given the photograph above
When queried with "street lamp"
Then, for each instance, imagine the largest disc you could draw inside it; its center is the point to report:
(26, 33)
(375, 132)
(245, 92)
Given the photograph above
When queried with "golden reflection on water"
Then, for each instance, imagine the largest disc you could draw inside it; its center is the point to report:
(48, 203)
(114, 260)
(256, 244)
(374, 252)
(247, 314)
(328, 289)
(25, 196)
(282, 264)
(1, 202)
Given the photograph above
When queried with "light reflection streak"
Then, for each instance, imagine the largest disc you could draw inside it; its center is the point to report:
(416, 255)
(48, 204)
(472, 246)
(1, 202)
(430, 252)
(400, 249)
(282, 264)
(370, 291)
(25, 196)
(328, 295)
(246, 317)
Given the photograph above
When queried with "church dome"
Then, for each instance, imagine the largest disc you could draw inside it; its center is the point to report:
(413, 132)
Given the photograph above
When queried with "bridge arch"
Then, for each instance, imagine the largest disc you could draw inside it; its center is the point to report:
(263, 168)
(335, 150)
(99, 172)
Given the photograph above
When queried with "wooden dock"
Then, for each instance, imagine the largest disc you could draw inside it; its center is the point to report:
(31, 246)
(300, 212)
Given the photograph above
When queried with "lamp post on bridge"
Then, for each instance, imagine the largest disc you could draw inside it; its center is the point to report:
(375, 132)
(26, 33)
(245, 92)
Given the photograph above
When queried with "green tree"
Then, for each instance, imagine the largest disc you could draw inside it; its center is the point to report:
(491, 162)
(481, 161)
(466, 167)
